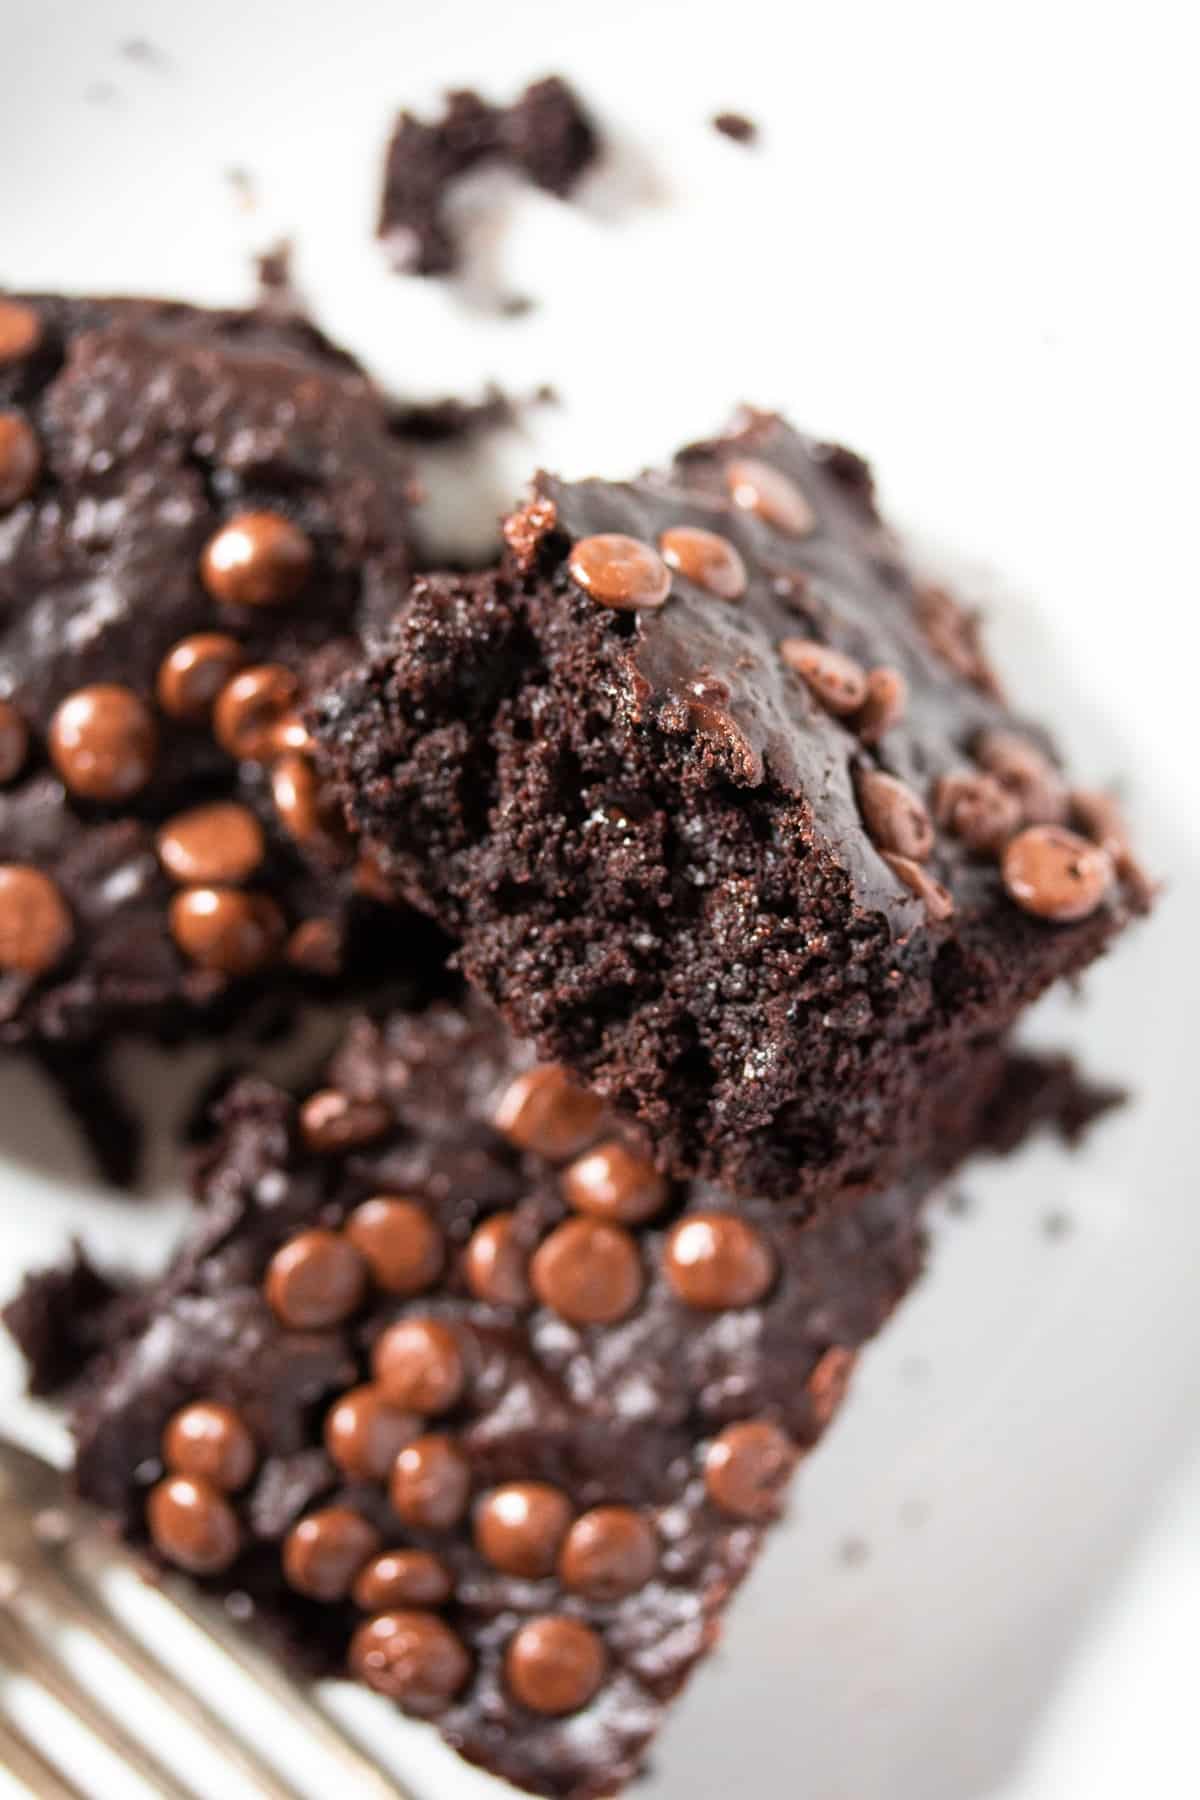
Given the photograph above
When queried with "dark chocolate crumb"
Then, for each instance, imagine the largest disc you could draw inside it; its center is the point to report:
(60, 1317)
(737, 127)
(452, 421)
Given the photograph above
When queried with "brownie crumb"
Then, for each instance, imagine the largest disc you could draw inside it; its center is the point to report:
(545, 135)
(1052, 1092)
(737, 127)
(60, 1317)
(451, 421)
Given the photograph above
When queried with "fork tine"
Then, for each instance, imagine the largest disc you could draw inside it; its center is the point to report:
(21, 1758)
(22, 1650)
(82, 1605)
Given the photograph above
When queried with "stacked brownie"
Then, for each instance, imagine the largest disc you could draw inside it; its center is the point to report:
(488, 1358)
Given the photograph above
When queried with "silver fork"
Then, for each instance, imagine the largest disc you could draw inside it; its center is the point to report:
(53, 1555)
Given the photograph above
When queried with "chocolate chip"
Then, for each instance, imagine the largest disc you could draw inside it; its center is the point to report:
(20, 459)
(14, 741)
(977, 809)
(588, 1272)
(610, 1182)
(703, 557)
(419, 1365)
(365, 1433)
(194, 671)
(895, 817)
(1026, 772)
(884, 706)
(495, 1264)
(331, 1121)
(747, 1467)
(1097, 815)
(544, 1110)
(324, 1552)
(837, 681)
(298, 799)
(620, 571)
(938, 900)
(770, 495)
(102, 741)
(554, 1665)
(251, 709)
(430, 1483)
(20, 331)
(610, 1552)
(315, 1280)
(211, 1441)
(402, 1246)
(257, 559)
(192, 1526)
(953, 634)
(714, 1260)
(519, 1527)
(222, 842)
(1056, 874)
(402, 1578)
(35, 924)
(827, 1384)
(316, 946)
(225, 930)
(412, 1657)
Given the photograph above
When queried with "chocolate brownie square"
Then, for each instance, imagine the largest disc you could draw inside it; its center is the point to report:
(727, 812)
(450, 1390)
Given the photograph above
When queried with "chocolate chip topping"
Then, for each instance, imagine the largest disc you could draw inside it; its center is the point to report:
(588, 1272)
(324, 1552)
(827, 1384)
(554, 1665)
(747, 1468)
(365, 1433)
(703, 557)
(297, 796)
(192, 1526)
(212, 844)
(412, 1657)
(620, 571)
(193, 673)
(315, 1280)
(610, 1182)
(1056, 874)
(102, 741)
(20, 459)
(252, 708)
(937, 900)
(715, 1260)
(545, 1110)
(20, 331)
(1026, 772)
(316, 946)
(608, 1553)
(399, 1241)
(884, 706)
(978, 809)
(211, 1441)
(35, 925)
(402, 1578)
(227, 931)
(520, 1527)
(495, 1264)
(771, 495)
(331, 1120)
(257, 559)
(430, 1483)
(839, 683)
(895, 817)
(14, 741)
(419, 1365)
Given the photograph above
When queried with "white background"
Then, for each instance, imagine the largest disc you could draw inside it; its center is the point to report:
(965, 244)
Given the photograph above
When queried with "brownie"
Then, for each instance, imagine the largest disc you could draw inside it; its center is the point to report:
(451, 1390)
(545, 135)
(726, 811)
(199, 514)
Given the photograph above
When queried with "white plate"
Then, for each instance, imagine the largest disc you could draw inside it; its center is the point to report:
(964, 244)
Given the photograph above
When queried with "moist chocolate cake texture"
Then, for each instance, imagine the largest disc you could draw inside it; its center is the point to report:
(725, 810)
(450, 1390)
